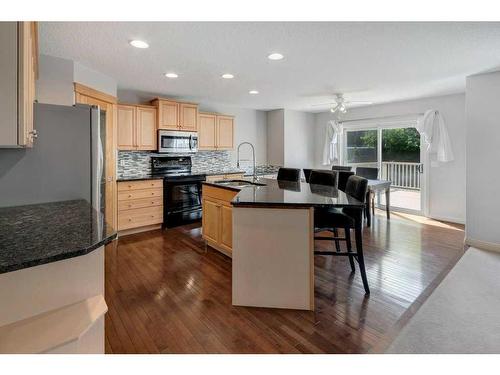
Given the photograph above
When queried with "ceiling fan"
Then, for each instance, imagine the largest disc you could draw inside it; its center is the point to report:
(340, 104)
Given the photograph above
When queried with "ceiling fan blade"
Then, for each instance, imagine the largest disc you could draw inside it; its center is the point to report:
(357, 102)
(316, 105)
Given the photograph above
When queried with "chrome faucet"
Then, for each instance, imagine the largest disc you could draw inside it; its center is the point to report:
(253, 155)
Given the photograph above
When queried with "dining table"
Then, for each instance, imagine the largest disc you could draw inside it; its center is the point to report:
(377, 187)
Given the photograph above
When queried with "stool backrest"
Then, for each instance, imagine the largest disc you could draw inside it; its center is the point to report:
(289, 174)
(319, 177)
(343, 176)
(357, 187)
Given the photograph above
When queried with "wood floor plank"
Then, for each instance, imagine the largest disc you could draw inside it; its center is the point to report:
(167, 293)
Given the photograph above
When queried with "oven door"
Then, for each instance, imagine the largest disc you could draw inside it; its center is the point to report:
(176, 142)
(181, 202)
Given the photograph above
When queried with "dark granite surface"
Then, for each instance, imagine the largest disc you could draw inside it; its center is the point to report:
(149, 176)
(43, 233)
(283, 193)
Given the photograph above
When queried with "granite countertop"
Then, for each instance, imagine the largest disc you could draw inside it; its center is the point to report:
(273, 193)
(149, 176)
(44, 233)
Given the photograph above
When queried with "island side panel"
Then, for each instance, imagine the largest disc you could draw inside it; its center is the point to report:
(35, 290)
(273, 257)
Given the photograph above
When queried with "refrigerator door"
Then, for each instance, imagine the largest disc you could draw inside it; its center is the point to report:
(58, 167)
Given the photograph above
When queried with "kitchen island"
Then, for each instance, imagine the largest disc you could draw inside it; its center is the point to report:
(272, 238)
(52, 278)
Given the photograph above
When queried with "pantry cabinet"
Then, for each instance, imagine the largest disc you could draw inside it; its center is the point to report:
(19, 62)
(173, 115)
(215, 132)
(136, 127)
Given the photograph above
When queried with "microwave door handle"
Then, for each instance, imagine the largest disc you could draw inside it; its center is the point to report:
(191, 142)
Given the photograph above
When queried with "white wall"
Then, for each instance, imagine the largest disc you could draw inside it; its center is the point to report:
(447, 180)
(55, 82)
(299, 139)
(57, 75)
(94, 79)
(483, 157)
(276, 137)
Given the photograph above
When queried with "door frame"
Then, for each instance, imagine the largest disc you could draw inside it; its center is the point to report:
(88, 95)
(391, 123)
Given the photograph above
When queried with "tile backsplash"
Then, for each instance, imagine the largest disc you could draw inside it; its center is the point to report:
(139, 162)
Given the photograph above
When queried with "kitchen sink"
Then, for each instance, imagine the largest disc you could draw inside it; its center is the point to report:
(238, 183)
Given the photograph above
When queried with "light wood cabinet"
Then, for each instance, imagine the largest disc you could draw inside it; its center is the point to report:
(188, 117)
(217, 218)
(215, 132)
(19, 62)
(225, 132)
(168, 114)
(207, 132)
(174, 115)
(136, 127)
(146, 128)
(140, 205)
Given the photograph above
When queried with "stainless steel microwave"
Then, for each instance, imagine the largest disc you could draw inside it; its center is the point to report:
(171, 141)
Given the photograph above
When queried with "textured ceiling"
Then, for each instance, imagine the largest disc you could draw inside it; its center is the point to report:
(378, 62)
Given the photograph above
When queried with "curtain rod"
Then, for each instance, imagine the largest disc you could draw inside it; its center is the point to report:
(382, 118)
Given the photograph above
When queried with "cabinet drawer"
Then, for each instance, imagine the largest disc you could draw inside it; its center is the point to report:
(139, 194)
(220, 194)
(140, 217)
(137, 185)
(139, 203)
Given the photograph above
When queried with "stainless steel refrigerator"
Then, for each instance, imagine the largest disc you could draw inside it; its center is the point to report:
(66, 161)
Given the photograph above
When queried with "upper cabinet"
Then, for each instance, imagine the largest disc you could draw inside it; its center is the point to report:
(174, 115)
(136, 127)
(215, 132)
(19, 62)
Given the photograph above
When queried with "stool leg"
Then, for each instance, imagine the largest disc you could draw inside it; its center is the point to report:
(361, 259)
(337, 242)
(349, 247)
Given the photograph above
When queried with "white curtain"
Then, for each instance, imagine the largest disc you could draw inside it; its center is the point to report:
(432, 128)
(332, 139)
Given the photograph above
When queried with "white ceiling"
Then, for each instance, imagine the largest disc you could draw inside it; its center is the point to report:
(378, 62)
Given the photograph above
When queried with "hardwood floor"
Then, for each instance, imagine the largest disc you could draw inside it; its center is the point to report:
(167, 295)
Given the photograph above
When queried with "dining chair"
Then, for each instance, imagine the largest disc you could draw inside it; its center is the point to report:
(346, 218)
(370, 173)
(342, 179)
(341, 167)
(289, 174)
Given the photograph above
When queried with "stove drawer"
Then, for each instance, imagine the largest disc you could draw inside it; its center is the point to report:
(139, 194)
(138, 185)
(140, 217)
(131, 204)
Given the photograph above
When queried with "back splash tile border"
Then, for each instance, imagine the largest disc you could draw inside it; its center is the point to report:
(139, 162)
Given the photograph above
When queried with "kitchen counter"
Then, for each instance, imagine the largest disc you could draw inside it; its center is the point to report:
(268, 225)
(273, 193)
(149, 176)
(44, 233)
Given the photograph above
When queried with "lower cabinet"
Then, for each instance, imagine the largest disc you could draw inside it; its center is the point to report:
(217, 219)
(140, 205)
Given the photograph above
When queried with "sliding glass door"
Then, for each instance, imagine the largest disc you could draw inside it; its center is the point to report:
(396, 153)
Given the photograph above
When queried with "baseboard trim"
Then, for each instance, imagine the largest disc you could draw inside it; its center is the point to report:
(126, 232)
(483, 245)
(447, 219)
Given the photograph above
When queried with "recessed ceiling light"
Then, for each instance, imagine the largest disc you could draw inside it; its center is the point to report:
(253, 92)
(171, 75)
(139, 44)
(227, 76)
(275, 56)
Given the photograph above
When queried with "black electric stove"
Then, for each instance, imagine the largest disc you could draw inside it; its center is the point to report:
(181, 190)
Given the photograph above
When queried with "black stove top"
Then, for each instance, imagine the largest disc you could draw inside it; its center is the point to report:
(173, 175)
